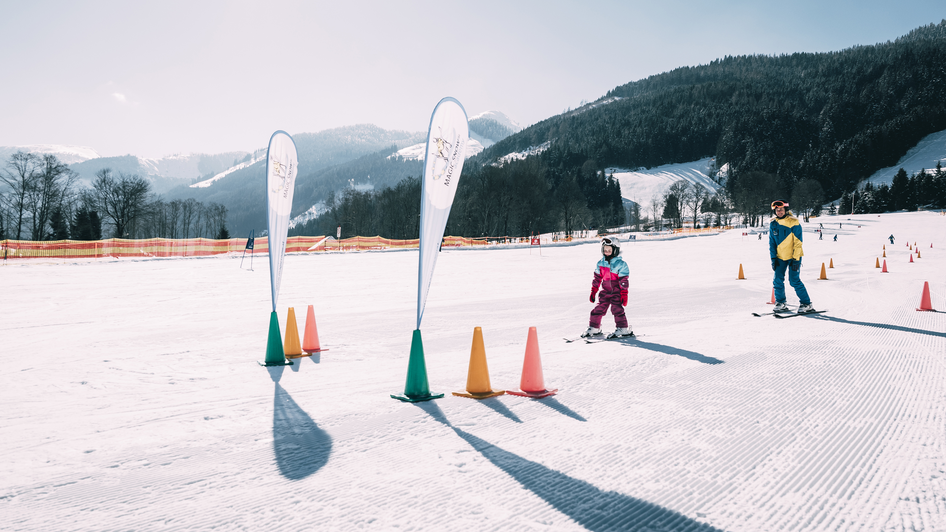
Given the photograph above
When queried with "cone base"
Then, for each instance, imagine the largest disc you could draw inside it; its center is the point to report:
(310, 352)
(283, 363)
(534, 395)
(299, 356)
(927, 310)
(416, 398)
(480, 395)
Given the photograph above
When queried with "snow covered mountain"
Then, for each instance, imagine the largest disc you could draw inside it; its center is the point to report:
(66, 154)
(486, 129)
(924, 156)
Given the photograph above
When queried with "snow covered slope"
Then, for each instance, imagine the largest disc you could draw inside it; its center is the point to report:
(66, 154)
(140, 405)
(924, 155)
(641, 186)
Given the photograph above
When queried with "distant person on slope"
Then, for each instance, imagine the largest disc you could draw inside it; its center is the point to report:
(786, 253)
(611, 277)
(891, 239)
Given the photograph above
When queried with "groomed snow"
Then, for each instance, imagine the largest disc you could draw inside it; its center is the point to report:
(924, 156)
(133, 399)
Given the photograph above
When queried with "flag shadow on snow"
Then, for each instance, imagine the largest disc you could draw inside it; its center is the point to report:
(301, 447)
(591, 507)
(675, 351)
(879, 325)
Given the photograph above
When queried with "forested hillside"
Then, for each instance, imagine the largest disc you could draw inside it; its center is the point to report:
(832, 117)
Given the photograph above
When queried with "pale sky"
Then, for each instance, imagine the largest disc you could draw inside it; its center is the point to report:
(164, 77)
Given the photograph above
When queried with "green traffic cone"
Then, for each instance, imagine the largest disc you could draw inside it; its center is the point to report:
(275, 356)
(416, 389)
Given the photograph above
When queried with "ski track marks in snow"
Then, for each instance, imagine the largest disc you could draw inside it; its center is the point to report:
(155, 415)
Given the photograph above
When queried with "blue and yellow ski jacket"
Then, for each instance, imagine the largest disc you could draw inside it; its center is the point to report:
(785, 238)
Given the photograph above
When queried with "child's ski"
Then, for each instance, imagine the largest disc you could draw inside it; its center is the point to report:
(795, 314)
(575, 339)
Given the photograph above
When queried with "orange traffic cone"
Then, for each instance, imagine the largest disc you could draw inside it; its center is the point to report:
(772, 302)
(885, 268)
(741, 276)
(831, 264)
(911, 257)
(917, 252)
(824, 275)
(291, 345)
(310, 340)
(925, 303)
(885, 254)
(532, 383)
(885, 246)
(477, 380)
(877, 263)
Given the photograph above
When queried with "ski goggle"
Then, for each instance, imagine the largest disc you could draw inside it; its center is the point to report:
(606, 242)
(779, 203)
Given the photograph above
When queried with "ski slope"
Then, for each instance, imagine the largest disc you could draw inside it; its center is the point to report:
(133, 400)
(643, 186)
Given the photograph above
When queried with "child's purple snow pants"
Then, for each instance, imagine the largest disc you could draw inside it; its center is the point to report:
(604, 300)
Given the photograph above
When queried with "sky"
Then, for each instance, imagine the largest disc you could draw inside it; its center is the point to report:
(159, 78)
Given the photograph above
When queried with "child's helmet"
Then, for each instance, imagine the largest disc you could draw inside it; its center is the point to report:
(612, 241)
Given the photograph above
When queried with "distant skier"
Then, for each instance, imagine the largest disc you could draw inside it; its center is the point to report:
(611, 274)
(820, 235)
(835, 238)
(785, 250)
(891, 239)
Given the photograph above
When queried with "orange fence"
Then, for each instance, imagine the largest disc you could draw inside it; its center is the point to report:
(201, 247)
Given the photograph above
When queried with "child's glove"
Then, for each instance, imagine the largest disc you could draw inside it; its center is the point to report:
(796, 264)
(594, 292)
(623, 298)
(774, 264)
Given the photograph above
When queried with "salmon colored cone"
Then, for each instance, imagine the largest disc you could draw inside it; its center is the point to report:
(291, 347)
(741, 276)
(824, 274)
(772, 302)
(310, 341)
(885, 268)
(532, 383)
(925, 302)
(477, 380)
(831, 264)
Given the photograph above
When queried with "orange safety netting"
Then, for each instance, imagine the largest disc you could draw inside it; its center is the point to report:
(200, 247)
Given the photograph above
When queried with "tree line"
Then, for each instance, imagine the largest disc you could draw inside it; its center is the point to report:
(41, 199)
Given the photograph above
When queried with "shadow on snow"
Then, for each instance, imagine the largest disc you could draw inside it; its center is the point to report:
(301, 447)
(666, 349)
(879, 325)
(591, 507)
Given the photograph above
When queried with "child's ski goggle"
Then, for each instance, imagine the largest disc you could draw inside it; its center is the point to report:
(778, 203)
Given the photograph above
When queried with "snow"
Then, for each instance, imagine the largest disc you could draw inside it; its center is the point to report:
(418, 151)
(67, 154)
(642, 185)
(207, 182)
(924, 156)
(528, 152)
(133, 399)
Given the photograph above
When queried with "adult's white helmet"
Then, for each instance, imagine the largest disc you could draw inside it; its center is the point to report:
(612, 241)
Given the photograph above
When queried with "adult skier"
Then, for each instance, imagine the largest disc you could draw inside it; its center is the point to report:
(785, 250)
(611, 274)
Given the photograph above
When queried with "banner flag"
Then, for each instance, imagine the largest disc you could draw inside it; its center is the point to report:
(443, 161)
(249, 240)
(281, 169)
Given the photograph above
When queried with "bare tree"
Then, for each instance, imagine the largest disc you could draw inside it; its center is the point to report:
(657, 207)
(52, 183)
(123, 200)
(19, 176)
(694, 197)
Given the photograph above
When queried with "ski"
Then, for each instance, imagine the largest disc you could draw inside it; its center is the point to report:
(795, 314)
(575, 339)
(760, 314)
(610, 338)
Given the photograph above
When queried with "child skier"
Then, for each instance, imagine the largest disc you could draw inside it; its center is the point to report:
(611, 277)
(785, 250)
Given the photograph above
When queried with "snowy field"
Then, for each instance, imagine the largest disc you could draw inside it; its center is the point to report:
(132, 398)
